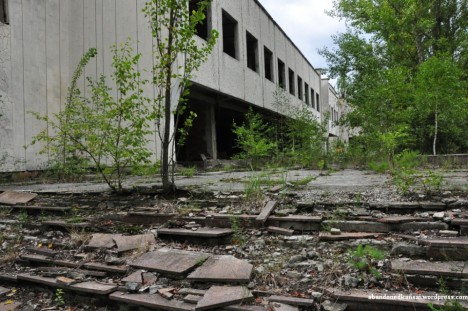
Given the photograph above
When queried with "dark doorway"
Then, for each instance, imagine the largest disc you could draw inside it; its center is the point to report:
(226, 139)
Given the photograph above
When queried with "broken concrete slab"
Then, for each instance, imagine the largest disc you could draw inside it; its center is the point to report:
(293, 301)
(13, 197)
(194, 299)
(10, 305)
(201, 232)
(327, 236)
(66, 225)
(101, 240)
(42, 251)
(276, 306)
(85, 287)
(44, 208)
(104, 267)
(4, 291)
(127, 243)
(266, 211)
(443, 269)
(170, 261)
(223, 269)
(141, 277)
(151, 301)
(278, 230)
(220, 296)
(400, 219)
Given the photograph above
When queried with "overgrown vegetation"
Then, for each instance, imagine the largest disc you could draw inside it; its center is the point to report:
(365, 259)
(402, 66)
(107, 130)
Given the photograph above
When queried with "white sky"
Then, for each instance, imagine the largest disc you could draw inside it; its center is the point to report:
(307, 24)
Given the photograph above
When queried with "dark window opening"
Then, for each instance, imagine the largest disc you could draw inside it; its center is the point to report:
(281, 74)
(306, 93)
(4, 12)
(291, 82)
(318, 102)
(201, 29)
(268, 63)
(229, 35)
(299, 88)
(252, 52)
(312, 97)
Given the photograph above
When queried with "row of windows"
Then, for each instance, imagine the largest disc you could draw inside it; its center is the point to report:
(230, 47)
(335, 116)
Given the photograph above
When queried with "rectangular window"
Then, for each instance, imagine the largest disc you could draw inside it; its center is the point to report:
(312, 97)
(318, 102)
(252, 52)
(281, 74)
(268, 63)
(202, 29)
(306, 94)
(300, 93)
(229, 35)
(4, 17)
(292, 87)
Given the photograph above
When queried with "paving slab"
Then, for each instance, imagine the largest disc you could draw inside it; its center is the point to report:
(201, 232)
(401, 219)
(42, 208)
(127, 243)
(170, 261)
(293, 301)
(244, 307)
(194, 299)
(220, 296)
(104, 267)
(460, 222)
(14, 197)
(266, 211)
(279, 230)
(85, 287)
(141, 277)
(447, 269)
(64, 224)
(4, 291)
(10, 305)
(224, 269)
(42, 251)
(327, 236)
(151, 301)
(283, 307)
(8, 277)
(102, 240)
(297, 218)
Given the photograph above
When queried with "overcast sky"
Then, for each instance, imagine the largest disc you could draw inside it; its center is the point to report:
(307, 24)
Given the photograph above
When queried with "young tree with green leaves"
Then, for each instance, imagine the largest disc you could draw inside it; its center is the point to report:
(179, 54)
(103, 132)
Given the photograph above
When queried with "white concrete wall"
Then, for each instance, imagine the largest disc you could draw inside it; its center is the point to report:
(46, 39)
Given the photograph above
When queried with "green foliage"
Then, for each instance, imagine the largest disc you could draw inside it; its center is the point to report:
(253, 188)
(253, 138)
(450, 305)
(364, 258)
(402, 66)
(108, 130)
(238, 234)
(59, 297)
(188, 171)
(173, 28)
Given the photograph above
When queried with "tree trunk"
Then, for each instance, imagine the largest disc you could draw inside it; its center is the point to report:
(436, 128)
(167, 185)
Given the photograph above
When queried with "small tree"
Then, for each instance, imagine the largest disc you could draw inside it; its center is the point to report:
(253, 138)
(108, 133)
(178, 55)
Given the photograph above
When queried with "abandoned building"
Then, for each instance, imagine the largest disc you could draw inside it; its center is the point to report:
(41, 42)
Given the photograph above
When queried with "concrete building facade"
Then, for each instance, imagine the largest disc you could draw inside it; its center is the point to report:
(42, 41)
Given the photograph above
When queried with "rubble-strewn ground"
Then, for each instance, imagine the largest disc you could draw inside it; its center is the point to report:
(320, 222)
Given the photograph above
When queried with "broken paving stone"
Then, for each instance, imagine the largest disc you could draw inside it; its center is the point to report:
(168, 261)
(141, 277)
(225, 269)
(276, 306)
(220, 296)
(114, 261)
(327, 305)
(4, 291)
(10, 305)
(151, 301)
(102, 240)
(132, 287)
(292, 301)
(65, 281)
(439, 215)
(409, 250)
(335, 231)
(127, 243)
(167, 293)
(13, 197)
(448, 233)
(192, 298)
(192, 291)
